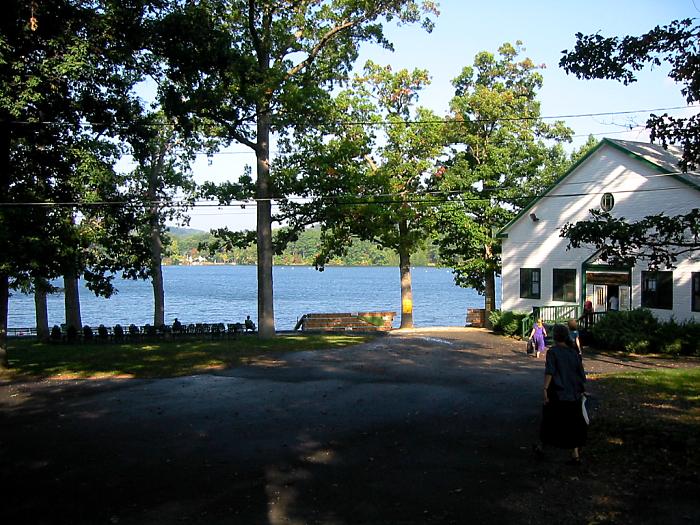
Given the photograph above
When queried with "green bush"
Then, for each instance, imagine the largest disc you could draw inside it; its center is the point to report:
(690, 339)
(638, 331)
(629, 331)
(508, 323)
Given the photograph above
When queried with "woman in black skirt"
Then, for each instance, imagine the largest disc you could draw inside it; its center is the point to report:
(563, 425)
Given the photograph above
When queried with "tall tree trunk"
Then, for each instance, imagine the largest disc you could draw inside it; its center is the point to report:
(4, 310)
(157, 281)
(489, 290)
(72, 302)
(266, 311)
(406, 289)
(42, 311)
(156, 242)
(4, 197)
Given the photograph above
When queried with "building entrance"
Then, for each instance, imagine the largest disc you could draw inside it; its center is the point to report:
(608, 290)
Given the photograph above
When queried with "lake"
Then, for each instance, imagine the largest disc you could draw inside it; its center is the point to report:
(212, 294)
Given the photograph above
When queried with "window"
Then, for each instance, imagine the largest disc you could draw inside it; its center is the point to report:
(607, 201)
(530, 283)
(564, 285)
(695, 298)
(657, 290)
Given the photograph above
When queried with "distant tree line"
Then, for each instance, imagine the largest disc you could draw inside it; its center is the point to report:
(186, 247)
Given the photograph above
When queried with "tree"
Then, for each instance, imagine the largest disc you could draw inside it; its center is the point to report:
(499, 158)
(618, 59)
(163, 180)
(61, 66)
(369, 184)
(260, 67)
(658, 238)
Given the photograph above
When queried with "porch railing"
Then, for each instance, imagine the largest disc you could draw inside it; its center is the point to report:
(549, 315)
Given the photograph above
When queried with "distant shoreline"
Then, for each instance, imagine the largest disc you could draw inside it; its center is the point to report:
(307, 265)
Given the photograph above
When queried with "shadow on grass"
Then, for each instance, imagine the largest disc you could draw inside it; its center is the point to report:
(644, 441)
(34, 360)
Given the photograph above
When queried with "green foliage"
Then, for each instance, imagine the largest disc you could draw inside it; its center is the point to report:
(365, 182)
(631, 331)
(193, 246)
(658, 239)
(595, 56)
(507, 323)
(638, 331)
(501, 156)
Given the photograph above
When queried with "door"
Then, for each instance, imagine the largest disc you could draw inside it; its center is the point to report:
(625, 298)
(600, 298)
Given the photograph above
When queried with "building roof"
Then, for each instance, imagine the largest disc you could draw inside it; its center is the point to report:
(663, 160)
(667, 159)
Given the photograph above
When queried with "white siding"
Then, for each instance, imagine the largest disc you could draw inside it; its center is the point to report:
(639, 190)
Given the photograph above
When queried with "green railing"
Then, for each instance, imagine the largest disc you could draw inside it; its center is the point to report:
(549, 315)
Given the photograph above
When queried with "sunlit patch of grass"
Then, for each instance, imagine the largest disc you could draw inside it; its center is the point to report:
(643, 438)
(648, 421)
(150, 359)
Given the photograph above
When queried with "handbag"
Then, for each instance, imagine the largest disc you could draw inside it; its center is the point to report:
(530, 347)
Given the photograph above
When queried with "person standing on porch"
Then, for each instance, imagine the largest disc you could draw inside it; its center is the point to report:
(587, 316)
(614, 303)
(537, 336)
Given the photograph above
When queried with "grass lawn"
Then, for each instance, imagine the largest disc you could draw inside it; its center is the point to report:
(34, 360)
(645, 438)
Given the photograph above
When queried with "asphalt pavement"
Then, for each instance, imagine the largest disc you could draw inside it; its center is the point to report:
(419, 426)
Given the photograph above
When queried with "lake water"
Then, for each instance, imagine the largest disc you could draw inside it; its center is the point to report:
(212, 294)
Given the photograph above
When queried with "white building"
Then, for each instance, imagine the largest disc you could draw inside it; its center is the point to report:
(631, 180)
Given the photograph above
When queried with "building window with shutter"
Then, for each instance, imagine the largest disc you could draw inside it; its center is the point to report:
(695, 297)
(657, 290)
(564, 285)
(530, 283)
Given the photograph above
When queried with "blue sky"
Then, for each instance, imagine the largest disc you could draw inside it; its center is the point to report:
(465, 28)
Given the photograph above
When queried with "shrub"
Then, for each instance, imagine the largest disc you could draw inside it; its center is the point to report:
(690, 339)
(638, 331)
(630, 331)
(87, 332)
(508, 323)
(118, 332)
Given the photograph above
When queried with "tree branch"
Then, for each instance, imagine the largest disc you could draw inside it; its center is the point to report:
(257, 44)
(319, 47)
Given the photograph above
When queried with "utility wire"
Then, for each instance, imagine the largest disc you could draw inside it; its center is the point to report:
(405, 122)
(431, 198)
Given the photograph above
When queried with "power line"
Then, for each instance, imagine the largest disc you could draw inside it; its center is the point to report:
(387, 122)
(508, 119)
(430, 198)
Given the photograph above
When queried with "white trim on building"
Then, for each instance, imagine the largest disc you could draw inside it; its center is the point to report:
(635, 180)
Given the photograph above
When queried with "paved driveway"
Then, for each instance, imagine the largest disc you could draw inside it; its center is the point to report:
(428, 426)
